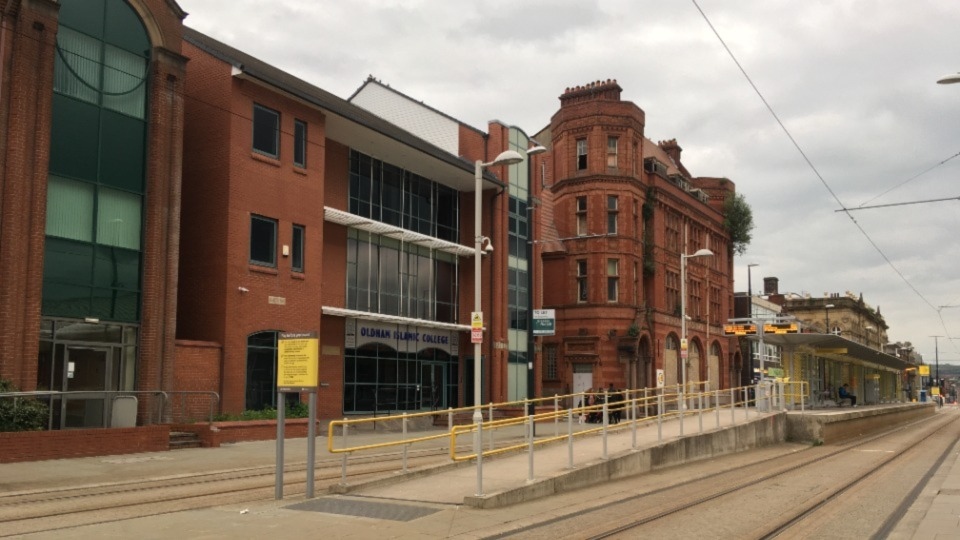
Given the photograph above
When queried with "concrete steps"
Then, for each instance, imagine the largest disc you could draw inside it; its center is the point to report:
(181, 439)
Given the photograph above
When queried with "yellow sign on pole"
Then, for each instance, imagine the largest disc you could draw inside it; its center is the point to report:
(297, 362)
(924, 371)
(476, 320)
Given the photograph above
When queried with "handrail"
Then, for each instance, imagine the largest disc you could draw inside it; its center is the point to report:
(635, 406)
(94, 394)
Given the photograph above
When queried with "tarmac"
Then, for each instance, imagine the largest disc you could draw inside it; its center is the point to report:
(445, 504)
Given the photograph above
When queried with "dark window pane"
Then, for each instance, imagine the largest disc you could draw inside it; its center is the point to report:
(74, 138)
(300, 143)
(263, 241)
(124, 29)
(297, 249)
(121, 165)
(266, 130)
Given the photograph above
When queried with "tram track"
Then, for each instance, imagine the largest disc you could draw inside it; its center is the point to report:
(71, 506)
(627, 517)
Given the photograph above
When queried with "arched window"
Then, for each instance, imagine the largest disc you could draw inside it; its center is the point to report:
(98, 148)
(261, 371)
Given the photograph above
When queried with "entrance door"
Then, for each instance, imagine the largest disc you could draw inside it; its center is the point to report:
(582, 378)
(432, 386)
(87, 369)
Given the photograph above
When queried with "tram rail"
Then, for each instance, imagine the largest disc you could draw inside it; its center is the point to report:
(660, 504)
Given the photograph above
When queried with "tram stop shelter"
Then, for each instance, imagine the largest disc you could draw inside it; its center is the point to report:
(828, 361)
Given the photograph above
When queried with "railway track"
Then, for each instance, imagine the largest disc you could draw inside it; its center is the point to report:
(60, 508)
(657, 511)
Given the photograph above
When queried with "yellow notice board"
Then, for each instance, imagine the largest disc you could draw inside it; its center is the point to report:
(924, 371)
(297, 362)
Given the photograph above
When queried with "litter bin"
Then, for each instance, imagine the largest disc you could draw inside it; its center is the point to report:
(923, 396)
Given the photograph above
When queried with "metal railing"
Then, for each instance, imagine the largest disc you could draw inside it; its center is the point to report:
(638, 407)
(157, 406)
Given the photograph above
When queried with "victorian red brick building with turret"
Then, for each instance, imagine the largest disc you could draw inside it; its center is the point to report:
(617, 211)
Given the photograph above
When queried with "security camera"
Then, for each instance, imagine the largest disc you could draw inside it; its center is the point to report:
(243, 289)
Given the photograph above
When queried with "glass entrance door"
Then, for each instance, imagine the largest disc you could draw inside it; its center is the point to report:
(86, 369)
(432, 385)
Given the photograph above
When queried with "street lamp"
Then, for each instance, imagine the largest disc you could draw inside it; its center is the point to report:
(953, 78)
(507, 157)
(826, 314)
(936, 356)
(704, 252)
(531, 343)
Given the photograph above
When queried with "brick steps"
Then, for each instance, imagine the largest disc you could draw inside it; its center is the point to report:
(183, 439)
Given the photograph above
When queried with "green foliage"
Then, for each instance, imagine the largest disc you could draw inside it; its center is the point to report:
(634, 330)
(296, 410)
(738, 220)
(21, 414)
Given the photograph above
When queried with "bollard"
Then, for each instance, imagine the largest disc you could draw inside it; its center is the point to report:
(633, 409)
(449, 419)
(570, 438)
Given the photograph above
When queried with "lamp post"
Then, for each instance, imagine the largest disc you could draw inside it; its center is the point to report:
(936, 356)
(953, 78)
(750, 298)
(508, 157)
(826, 313)
(531, 257)
(704, 252)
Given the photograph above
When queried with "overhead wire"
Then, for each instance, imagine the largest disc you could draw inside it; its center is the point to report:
(810, 164)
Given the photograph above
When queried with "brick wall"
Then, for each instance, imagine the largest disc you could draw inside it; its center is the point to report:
(73, 443)
(226, 299)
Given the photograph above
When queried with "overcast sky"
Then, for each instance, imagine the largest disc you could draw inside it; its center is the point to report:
(852, 81)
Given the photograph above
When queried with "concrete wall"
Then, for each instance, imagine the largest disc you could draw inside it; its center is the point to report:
(758, 433)
(838, 426)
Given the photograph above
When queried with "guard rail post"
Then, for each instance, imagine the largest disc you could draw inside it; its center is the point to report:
(556, 417)
(659, 417)
(570, 437)
(343, 467)
(403, 436)
(530, 448)
(700, 410)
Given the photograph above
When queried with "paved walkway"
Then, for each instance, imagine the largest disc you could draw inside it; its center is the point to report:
(426, 507)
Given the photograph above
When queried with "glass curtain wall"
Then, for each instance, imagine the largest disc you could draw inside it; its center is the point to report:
(390, 277)
(518, 265)
(97, 152)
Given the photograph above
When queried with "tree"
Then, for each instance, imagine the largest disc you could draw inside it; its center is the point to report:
(738, 220)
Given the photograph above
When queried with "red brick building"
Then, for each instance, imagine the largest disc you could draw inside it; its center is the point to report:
(617, 213)
(91, 123)
(305, 212)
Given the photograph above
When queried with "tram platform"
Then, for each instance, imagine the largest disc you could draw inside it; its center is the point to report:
(506, 479)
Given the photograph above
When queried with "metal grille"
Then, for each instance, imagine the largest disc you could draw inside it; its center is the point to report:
(368, 509)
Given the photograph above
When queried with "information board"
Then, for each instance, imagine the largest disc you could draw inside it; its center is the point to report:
(297, 362)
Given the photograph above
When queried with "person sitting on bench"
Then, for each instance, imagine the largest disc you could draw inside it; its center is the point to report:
(845, 393)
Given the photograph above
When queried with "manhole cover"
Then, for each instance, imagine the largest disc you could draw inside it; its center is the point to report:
(368, 509)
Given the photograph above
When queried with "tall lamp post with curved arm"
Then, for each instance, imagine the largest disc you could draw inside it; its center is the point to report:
(508, 157)
(704, 252)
